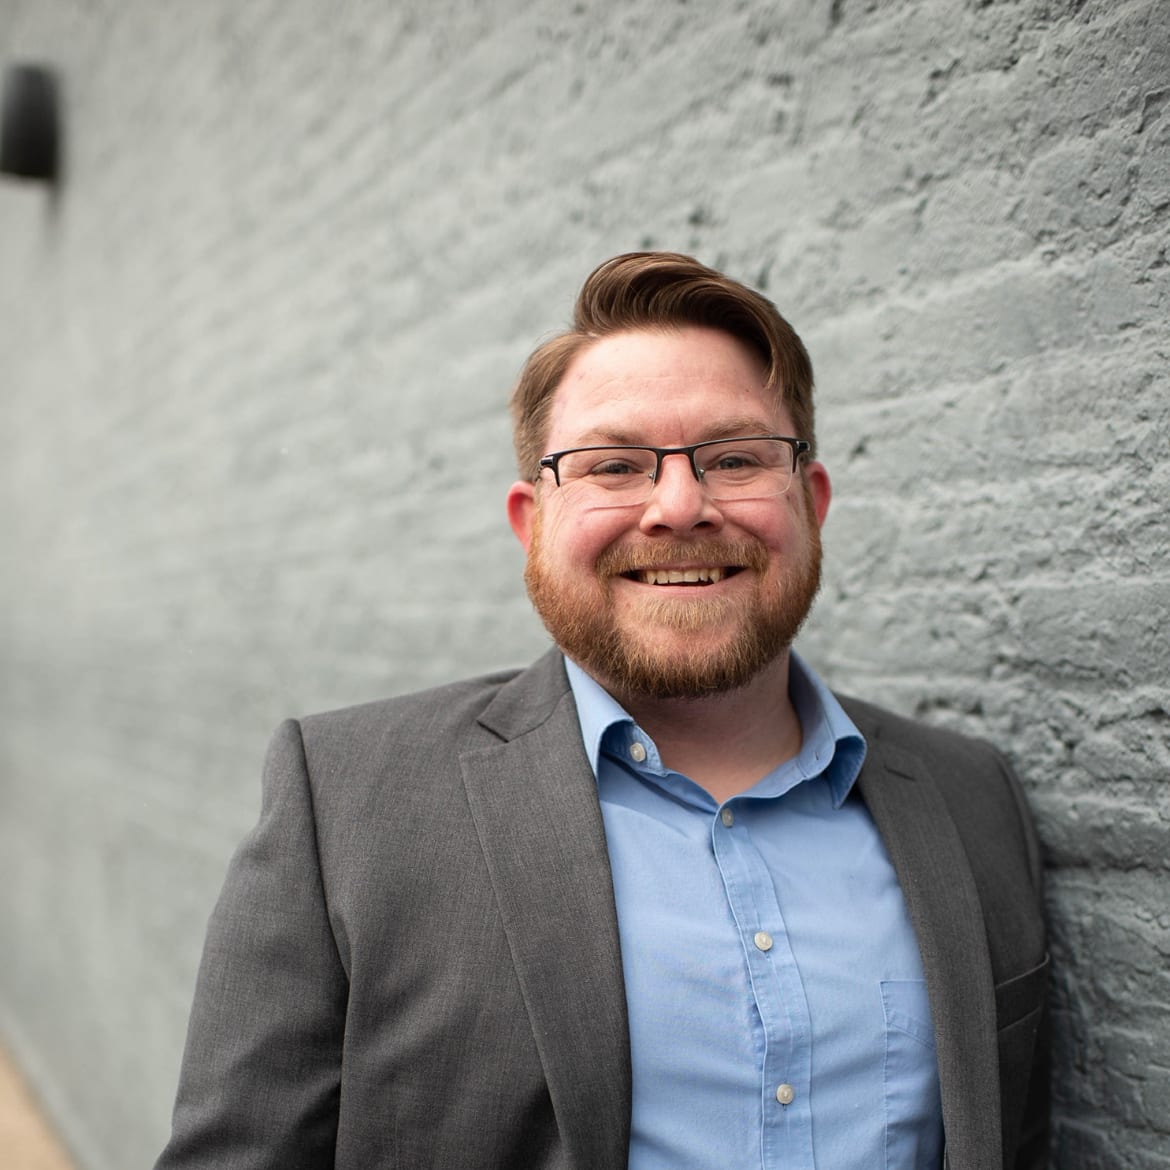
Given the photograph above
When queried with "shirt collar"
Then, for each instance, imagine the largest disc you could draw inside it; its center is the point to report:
(832, 745)
(597, 710)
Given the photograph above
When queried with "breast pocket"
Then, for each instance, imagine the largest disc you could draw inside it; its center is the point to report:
(910, 1078)
(1017, 999)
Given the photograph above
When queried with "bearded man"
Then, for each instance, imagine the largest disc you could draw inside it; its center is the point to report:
(661, 900)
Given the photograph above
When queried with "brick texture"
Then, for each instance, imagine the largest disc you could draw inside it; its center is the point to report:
(256, 351)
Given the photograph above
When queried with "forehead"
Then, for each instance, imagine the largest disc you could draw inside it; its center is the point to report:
(663, 387)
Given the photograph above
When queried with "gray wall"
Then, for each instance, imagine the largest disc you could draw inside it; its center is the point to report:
(253, 451)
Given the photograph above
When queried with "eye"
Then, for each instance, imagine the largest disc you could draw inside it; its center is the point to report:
(733, 461)
(614, 464)
(614, 467)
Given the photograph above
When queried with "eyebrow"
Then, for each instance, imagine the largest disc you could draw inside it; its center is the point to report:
(734, 428)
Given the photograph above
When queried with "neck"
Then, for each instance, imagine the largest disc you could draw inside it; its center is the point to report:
(724, 742)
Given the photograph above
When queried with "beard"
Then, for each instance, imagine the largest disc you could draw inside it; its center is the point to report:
(582, 619)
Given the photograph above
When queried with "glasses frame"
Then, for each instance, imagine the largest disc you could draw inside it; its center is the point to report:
(552, 460)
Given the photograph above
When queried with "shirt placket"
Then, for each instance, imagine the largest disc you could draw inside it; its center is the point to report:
(786, 1071)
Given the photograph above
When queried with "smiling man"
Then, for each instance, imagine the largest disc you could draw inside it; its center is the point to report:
(662, 900)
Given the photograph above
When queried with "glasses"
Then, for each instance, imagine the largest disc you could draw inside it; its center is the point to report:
(752, 468)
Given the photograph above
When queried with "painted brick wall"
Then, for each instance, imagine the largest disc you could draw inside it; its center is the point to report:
(255, 356)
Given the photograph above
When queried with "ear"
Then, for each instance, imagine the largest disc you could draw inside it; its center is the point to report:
(521, 506)
(820, 490)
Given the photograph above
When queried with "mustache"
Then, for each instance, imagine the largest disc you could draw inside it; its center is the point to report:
(740, 554)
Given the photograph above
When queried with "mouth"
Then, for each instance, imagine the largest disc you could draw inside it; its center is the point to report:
(682, 564)
(702, 575)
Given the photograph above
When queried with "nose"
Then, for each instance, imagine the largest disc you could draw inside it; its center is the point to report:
(678, 501)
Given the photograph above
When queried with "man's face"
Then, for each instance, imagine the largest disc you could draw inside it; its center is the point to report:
(595, 575)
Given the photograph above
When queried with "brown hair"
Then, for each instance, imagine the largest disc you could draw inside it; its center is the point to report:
(655, 290)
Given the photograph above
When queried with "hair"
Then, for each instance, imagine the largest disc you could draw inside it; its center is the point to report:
(660, 290)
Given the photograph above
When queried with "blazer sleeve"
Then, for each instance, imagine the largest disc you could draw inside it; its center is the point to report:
(260, 1081)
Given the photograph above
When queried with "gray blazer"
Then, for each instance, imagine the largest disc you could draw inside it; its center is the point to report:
(414, 961)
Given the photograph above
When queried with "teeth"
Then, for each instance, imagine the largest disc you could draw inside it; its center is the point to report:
(681, 576)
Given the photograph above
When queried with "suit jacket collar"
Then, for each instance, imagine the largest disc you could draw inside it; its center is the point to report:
(534, 801)
(529, 698)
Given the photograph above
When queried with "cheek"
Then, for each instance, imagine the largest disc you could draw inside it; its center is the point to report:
(795, 512)
(782, 529)
(581, 537)
(774, 523)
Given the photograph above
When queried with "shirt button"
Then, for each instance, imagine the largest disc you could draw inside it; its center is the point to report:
(727, 817)
(786, 1094)
(764, 941)
(637, 752)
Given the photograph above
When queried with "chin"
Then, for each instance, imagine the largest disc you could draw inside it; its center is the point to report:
(672, 647)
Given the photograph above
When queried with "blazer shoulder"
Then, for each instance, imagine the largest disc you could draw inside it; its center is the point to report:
(426, 731)
(456, 702)
(878, 723)
(420, 731)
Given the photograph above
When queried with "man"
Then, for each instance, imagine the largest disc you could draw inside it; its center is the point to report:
(661, 900)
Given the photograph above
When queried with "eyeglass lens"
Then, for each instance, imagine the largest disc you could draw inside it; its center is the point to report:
(729, 469)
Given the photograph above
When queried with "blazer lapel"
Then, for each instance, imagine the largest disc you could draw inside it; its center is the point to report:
(944, 908)
(534, 801)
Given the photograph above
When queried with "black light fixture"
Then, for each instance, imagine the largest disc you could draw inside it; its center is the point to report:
(30, 133)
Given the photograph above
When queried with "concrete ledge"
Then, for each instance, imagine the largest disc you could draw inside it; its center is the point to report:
(25, 1137)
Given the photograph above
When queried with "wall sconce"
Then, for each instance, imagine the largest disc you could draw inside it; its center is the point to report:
(30, 133)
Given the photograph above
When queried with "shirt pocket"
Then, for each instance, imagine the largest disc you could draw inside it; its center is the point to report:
(913, 1106)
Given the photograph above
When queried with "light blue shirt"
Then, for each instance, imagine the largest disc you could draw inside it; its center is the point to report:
(778, 1013)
